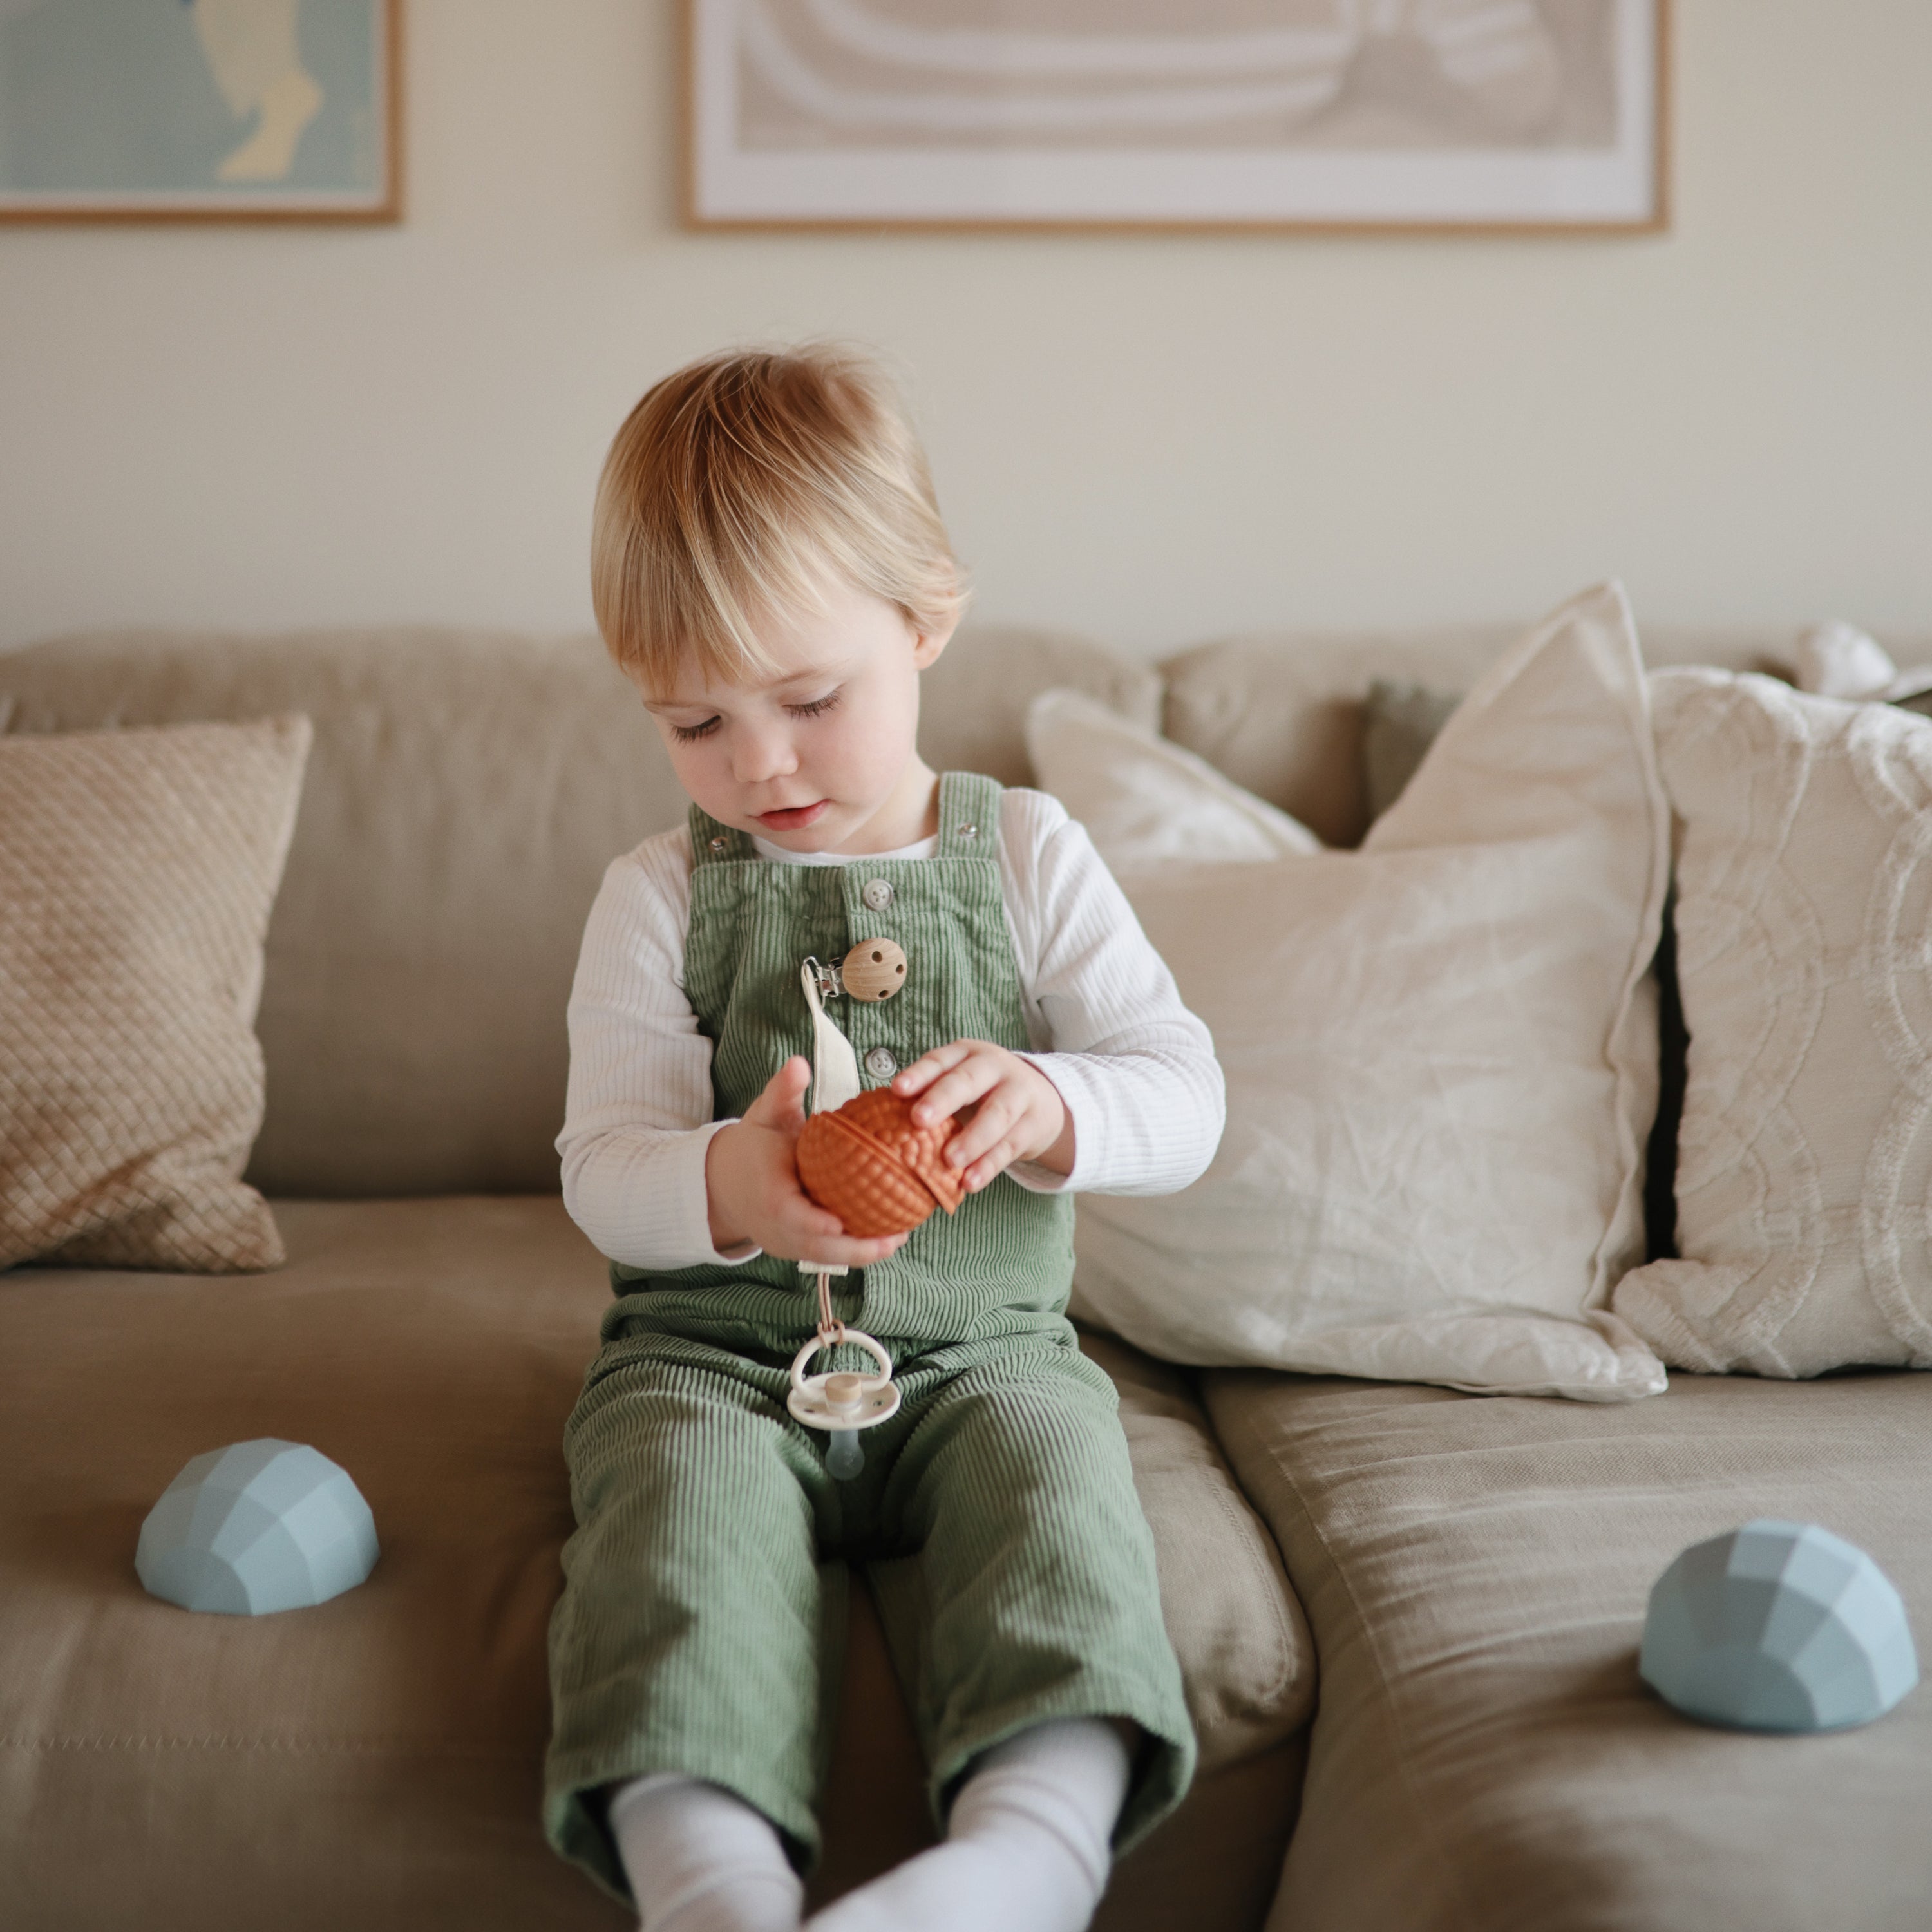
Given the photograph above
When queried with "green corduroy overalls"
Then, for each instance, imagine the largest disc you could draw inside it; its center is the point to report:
(701, 1629)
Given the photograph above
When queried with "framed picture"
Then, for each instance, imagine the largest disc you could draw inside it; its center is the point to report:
(200, 110)
(1496, 114)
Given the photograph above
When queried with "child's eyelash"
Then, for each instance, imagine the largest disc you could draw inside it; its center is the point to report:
(689, 734)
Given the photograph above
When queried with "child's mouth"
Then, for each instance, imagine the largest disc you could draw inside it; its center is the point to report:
(793, 818)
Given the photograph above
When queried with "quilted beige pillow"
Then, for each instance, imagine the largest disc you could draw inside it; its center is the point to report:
(137, 870)
(1803, 827)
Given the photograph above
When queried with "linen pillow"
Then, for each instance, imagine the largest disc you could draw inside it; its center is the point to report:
(1803, 827)
(1143, 801)
(137, 870)
(1400, 721)
(1441, 1061)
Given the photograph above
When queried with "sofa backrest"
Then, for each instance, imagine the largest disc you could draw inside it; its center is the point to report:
(465, 791)
(1281, 712)
(467, 788)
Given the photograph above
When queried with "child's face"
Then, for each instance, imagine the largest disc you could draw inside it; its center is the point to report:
(821, 756)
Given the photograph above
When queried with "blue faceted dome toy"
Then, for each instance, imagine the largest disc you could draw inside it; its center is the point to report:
(1777, 1627)
(258, 1526)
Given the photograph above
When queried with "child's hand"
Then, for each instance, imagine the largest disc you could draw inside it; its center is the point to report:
(1020, 1115)
(751, 1181)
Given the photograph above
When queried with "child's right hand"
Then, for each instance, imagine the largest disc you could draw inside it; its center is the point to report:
(750, 1180)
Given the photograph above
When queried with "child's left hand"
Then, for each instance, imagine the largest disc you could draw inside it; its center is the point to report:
(1020, 1115)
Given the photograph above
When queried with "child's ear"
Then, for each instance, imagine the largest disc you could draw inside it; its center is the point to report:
(927, 645)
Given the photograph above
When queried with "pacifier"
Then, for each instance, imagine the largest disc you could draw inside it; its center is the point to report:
(839, 1402)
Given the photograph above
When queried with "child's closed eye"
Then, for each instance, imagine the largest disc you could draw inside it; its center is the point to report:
(689, 734)
(816, 705)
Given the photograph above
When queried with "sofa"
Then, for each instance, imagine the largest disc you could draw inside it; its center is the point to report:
(1407, 1618)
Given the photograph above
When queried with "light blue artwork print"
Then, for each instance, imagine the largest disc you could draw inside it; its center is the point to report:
(193, 106)
(1778, 1627)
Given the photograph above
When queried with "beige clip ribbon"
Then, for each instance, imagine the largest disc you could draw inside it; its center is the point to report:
(835, 1073)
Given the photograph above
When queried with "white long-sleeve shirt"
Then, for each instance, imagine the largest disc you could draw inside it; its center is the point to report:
(1136, 1068)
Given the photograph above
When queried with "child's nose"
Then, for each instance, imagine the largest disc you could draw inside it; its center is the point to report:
(759, 756)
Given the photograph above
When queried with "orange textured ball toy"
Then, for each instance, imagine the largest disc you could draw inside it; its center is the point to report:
(866, 1162)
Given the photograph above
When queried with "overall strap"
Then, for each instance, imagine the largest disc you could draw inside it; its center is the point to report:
(713, 844)
(969, 816)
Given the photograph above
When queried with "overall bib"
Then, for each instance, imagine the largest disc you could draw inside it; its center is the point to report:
(702, 1626)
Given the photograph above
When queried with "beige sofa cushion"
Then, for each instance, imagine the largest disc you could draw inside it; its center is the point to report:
(374, 1761)
(1247, 1660)
(1476, 1570)
(465, 792)
(137, 872)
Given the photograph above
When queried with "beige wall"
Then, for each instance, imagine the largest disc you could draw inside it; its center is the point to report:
(1155, 439)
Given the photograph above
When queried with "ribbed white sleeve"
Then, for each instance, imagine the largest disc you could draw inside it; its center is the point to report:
(1136, 1068)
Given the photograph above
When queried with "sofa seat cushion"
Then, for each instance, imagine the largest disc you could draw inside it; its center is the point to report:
(1476, 1571)
(375, 1761)
(1247, 1661)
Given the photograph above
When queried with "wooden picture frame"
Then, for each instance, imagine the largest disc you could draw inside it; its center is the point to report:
(1550, 116)
(180, 120)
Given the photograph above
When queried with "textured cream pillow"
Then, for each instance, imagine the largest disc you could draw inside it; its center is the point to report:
(137, 870)
(1145, 802)
(1804, 834)
(1441, 1061)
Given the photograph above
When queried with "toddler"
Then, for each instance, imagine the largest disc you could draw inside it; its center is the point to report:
(769, 569)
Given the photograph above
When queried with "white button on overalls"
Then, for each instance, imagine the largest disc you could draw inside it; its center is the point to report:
(881, 1064)
(877, 894)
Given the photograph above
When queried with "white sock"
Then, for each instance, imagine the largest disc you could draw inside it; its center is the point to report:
(1028, 1846)
(700, 1860)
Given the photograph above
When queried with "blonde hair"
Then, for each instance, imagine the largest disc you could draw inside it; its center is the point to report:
(737, 487)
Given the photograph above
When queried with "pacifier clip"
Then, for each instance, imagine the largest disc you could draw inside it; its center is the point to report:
(837, 1401)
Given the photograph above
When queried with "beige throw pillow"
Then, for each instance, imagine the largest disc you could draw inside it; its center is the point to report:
(1145, 802)
(1804, 833)
(1441, 1053)
(137, 870)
